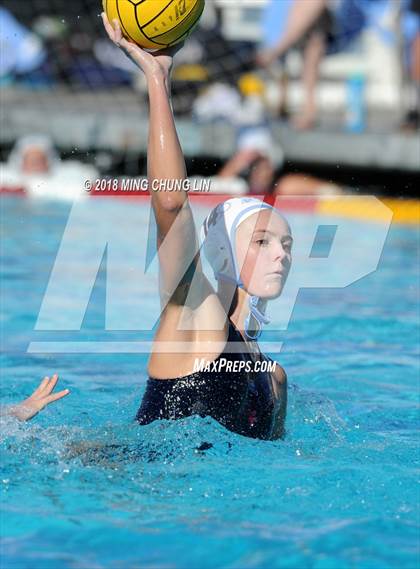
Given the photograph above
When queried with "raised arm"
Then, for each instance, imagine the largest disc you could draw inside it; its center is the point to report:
(177, 240)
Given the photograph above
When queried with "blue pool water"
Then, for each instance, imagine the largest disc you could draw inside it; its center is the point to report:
(82, 486)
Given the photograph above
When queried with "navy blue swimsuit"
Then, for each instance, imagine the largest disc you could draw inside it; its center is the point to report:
(243, 401)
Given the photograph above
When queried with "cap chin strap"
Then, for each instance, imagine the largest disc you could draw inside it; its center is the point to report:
(254, 312)
(259, 317)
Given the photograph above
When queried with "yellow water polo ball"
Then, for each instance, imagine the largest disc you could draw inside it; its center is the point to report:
(155, 24)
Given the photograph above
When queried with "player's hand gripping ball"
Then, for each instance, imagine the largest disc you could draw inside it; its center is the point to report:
(155, 24)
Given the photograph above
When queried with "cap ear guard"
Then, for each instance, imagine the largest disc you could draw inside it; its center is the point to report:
(217, 245)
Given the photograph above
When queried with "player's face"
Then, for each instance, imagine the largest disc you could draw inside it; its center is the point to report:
(35, 161)
(263, 248)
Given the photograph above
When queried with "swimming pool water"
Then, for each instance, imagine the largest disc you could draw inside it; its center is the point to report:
(83, 486)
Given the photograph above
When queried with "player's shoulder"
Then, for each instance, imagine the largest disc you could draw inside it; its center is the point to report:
(279, 373)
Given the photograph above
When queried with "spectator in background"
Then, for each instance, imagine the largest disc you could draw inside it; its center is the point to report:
(305, 25)
(254, 141)
(256, 157)
(261, 178)
(318, 27)
(21, 50)
(411, 31)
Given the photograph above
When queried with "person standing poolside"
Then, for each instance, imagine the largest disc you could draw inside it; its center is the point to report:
(248, 244)
(305, 26)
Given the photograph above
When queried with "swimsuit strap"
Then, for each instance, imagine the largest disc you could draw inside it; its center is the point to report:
(234, 333)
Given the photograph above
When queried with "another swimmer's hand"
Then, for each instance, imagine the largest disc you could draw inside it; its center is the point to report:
(39, 399)
(157, 63)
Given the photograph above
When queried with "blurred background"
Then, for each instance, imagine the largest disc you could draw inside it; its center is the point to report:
(264, 103)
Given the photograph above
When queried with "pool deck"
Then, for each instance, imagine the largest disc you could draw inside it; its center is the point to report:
(118, 121)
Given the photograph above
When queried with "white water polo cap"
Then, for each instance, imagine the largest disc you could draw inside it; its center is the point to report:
(218, 234)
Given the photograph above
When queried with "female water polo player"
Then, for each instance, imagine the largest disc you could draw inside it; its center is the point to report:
(248, 244)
